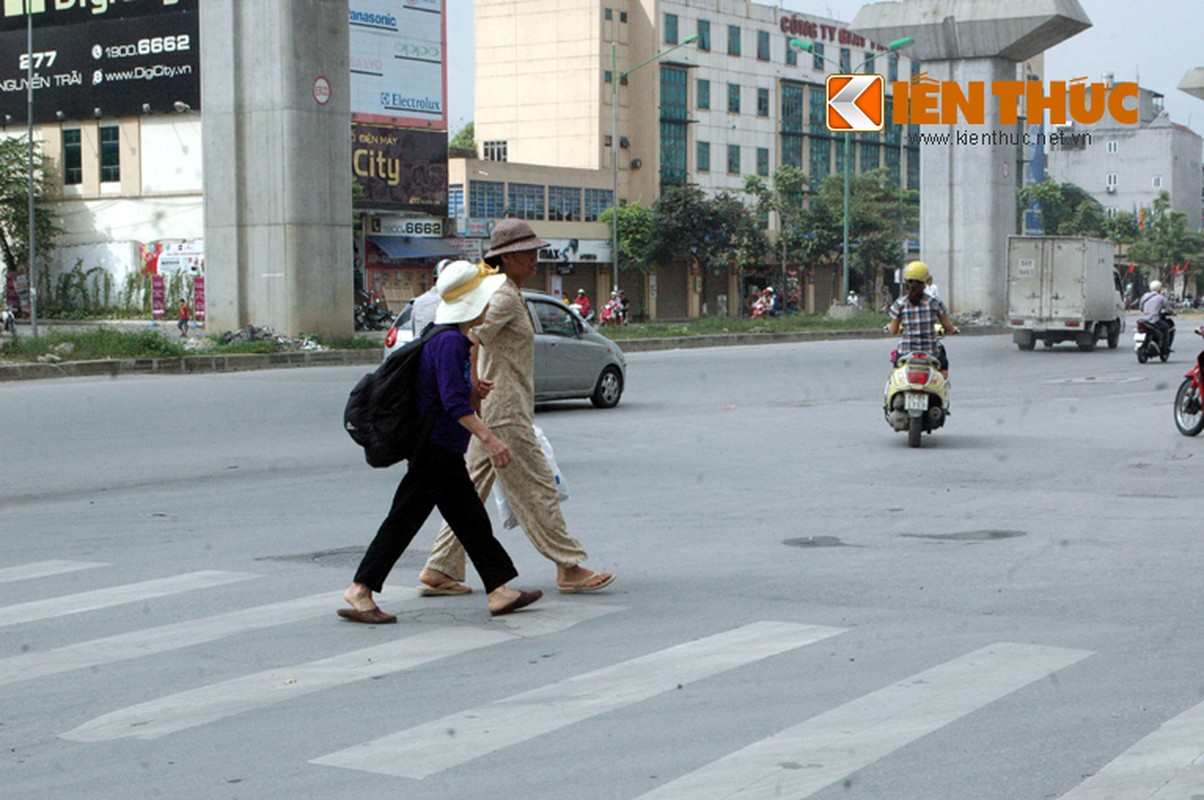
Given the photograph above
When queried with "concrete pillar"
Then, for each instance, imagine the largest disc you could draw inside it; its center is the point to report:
(968, 190)
(277, 164)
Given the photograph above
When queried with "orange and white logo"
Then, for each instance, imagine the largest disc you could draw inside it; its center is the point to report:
(856, 103)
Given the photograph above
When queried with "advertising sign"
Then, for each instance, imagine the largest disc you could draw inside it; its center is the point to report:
(100, 59)
(400, 170)
(397, 63)
(158, 296)
(575, 251)
(422, 227)
(198, 296)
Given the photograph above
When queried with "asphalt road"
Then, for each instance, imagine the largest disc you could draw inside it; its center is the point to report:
(805, 606)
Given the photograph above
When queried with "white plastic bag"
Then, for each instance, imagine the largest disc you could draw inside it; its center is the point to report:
(562, 489)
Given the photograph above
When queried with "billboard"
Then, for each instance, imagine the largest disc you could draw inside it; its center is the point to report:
(99, 59)
(397, 63)
(400, 169)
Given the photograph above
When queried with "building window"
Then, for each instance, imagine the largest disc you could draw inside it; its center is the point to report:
(495, 151)
(791, 56)
(892, 69)
(762, 45)
(1110, 179)
(762, 102)
(733, 159)
(704, 35)
(455, 200)
(674, 120)
(110, 153)
(915, 68)
(846, 60)
(733, 40)
(869, 63)
(597, 201)
(526, 201)
(486, 199)
(608, 15)
(670, 29)
(733, 98)
(704, 156)
(704, 93)
(606, 76)
(564, 203)
(1113, 146)
(73, 158)
(1156, 181)
(821, 143)
(792, 125)
(622, 16)
(763, 161)
(817, 55)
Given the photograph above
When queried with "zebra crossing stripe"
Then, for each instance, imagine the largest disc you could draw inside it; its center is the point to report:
(841, 741)
(184, 710)
(44, 569)
(118, 595)
(1169, 763)
(427, 749)
(164, 638)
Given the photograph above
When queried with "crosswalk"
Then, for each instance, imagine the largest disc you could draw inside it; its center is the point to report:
(798, 761)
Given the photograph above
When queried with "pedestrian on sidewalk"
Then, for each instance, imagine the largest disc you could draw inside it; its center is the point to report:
(185, 314)
(506, 360)
(437, 475)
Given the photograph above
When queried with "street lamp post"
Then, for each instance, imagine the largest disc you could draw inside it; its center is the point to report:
(848, 136)
(615, 78)
(33, 278)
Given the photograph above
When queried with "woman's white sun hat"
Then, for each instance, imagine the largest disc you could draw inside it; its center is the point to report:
(464, 291)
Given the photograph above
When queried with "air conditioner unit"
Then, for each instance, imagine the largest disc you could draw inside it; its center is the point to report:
(1110, 189)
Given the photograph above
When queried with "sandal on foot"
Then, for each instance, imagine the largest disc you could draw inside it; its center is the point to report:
(585, 585)
(372, 616)
(445, 589)
(523, 600)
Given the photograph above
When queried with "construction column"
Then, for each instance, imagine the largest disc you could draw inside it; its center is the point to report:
(276, 134)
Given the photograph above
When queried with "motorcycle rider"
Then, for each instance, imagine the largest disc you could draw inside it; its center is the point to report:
(582, 303)
(917, 314)
(1155, 312)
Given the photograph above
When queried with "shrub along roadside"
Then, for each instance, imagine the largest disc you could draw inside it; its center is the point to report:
(711, 326)
(106, 343)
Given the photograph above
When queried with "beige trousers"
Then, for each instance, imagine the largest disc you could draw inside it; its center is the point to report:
(530, 489)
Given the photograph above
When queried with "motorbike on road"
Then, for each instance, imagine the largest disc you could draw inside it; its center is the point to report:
(1147, 342)
(8, 321)
(917, 396)
(1189, 413)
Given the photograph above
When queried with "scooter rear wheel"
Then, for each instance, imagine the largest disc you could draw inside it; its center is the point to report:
(1189, 415)
(1142, 355)
(915, 429)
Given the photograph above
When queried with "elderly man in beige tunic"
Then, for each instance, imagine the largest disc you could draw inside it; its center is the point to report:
(506, 360)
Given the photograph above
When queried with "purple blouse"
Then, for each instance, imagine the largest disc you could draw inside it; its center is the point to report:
(444, 372)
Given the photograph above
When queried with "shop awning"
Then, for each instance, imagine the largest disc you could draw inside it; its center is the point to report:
(397, 247)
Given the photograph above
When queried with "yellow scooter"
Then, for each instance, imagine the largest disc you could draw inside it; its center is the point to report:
(917, 396)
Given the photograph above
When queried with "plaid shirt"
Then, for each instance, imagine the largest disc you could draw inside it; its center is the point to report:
(918, 323)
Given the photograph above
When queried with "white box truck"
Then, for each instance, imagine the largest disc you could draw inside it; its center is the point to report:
(1063, 288)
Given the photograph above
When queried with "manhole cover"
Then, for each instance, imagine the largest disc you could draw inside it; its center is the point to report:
(966, 536)
(815, 541)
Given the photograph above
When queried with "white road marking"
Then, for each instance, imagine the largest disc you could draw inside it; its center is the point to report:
(164, 638)
(44, 569)
(1166, 765)
(118, 595)
(189, 709)
(808, 757)
(427, 749)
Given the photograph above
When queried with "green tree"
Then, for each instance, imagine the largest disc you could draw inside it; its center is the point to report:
(881, 217)
(1165, 242)
(1065, 209)
(786, 198)
(636, 226)
(14, 205)
(712, 232)
(465, 139)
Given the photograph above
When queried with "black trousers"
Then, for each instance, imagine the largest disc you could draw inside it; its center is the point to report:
(436, 477)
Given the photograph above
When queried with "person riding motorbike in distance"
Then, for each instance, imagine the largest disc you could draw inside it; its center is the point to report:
(917, 313)
(1156, 311)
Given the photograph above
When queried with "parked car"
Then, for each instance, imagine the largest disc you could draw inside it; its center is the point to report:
(572, 360)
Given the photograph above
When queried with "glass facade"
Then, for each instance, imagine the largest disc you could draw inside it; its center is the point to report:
(597, 201)
(674, 122)
(486, 199)
(564, 203)
(792, 124)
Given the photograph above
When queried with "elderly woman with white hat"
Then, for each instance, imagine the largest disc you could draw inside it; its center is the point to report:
(507, 360)
(437, 475)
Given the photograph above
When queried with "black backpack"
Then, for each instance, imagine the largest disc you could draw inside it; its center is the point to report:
(381, 414)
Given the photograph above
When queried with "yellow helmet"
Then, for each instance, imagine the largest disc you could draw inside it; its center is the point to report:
(916, 271)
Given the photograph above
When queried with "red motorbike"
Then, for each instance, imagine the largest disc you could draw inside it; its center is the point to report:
(1189, 413)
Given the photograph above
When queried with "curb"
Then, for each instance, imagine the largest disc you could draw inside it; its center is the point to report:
(242, 362)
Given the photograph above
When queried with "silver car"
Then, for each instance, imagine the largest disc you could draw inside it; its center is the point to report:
(572, 360)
